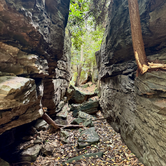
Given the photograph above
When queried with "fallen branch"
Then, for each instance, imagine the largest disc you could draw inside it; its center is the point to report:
(50, 121)
(47, 118)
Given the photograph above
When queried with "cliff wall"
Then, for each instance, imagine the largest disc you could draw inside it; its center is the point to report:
(34, 59)
(135, 106)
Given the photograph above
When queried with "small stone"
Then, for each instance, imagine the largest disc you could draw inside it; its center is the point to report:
(31, 153)
(64, 112)
(41, 125)
(64, 136)
(85, 115)
(77, 121)
(88, 137)
(99, 154)
(47, 149)
(88, 123)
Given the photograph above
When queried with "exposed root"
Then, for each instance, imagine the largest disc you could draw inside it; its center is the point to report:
(144, 68)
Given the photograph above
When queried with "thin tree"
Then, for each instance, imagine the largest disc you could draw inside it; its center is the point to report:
(79, 67)
(137, 39)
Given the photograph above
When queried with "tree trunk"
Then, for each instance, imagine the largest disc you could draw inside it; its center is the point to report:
(137, 39)
(79, 68)
(138, 44)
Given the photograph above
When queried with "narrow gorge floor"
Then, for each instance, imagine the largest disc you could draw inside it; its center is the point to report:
(108, 151)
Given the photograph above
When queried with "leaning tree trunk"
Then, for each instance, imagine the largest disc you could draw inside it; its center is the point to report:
(137, 39)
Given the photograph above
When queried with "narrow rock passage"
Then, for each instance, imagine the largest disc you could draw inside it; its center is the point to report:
(64, 147)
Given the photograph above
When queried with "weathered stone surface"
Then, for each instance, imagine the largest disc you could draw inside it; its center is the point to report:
(85, 115)
(41, 125)
(77, 121)
(33, 44)
(78, 97)
(17, 62)
(88, 137)
(117, 42)
(86, 122)
(60, 106)
(95, 75)
(31, 153)
(135, 106)
(89, 107)
(19, 103)
(54, 91)
(64, 112)
(47, 149)
(61, 121)
(64, 136)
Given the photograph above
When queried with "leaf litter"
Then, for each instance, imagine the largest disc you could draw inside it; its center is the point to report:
(115, 152)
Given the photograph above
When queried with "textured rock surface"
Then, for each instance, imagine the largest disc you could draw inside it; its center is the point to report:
(135, 106)
(18, 102)
(77, 97)
(89, 107)
(31, 153)
(88, 137)
(34, 59)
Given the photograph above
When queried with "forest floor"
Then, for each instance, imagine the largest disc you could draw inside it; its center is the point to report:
(115, 152)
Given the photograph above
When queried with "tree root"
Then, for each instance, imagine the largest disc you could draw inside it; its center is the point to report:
(144, 68)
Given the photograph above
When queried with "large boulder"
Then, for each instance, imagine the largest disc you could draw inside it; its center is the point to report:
(18, 102)
(135, 106)
(76, 96)
(89, 107)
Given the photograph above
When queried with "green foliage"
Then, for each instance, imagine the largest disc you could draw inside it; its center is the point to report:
(86, 32)
(76, 21)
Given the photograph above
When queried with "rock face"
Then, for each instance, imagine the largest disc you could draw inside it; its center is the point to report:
(135, 106)
(18, 102)
(34, 59)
